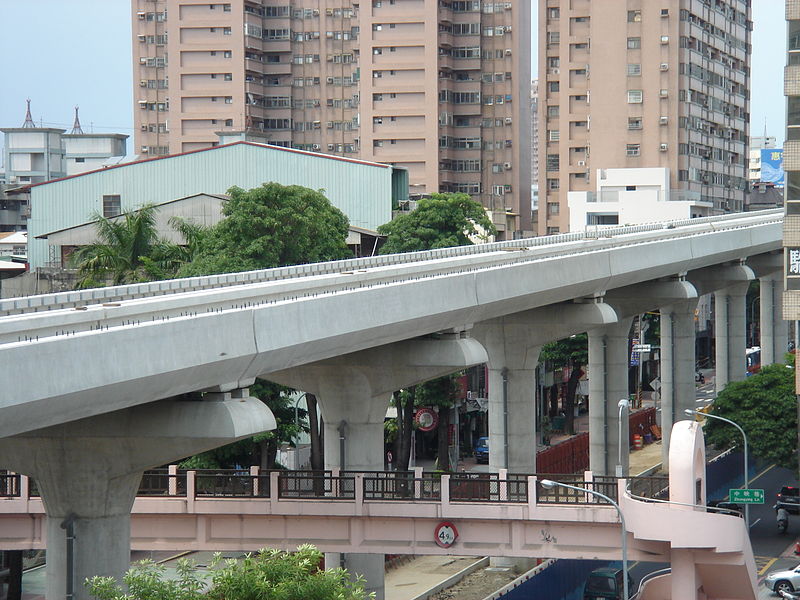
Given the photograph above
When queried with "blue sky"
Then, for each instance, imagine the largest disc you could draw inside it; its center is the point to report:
(64, 53)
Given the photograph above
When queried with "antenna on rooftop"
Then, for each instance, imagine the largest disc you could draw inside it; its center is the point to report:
(28, 124)
(76, 126)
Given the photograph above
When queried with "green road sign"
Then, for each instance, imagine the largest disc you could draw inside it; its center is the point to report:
(747, 496)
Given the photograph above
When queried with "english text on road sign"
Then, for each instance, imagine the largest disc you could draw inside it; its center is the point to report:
(749, 496)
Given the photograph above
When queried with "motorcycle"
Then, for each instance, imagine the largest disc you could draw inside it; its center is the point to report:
(782, 518)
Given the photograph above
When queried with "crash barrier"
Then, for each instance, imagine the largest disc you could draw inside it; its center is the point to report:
(563, 578)
(374, 486)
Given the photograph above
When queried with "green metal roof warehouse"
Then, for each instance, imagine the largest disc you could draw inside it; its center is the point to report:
(364, 191)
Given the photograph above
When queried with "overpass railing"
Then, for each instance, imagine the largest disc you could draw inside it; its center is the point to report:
(175, 286)
(374, 486)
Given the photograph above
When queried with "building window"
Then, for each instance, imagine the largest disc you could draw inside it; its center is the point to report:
(553, 37)
(634, 16)
(635, 96)
(634, 122)
(553, 86)
(553, 135)
(553, 184)
(632, 150)
(552, 111)
(552, 163)
(634, 43)
(553, 208)
(552, 231)
(665, 39)
(553, 13)
(634, 69)
(112, 206)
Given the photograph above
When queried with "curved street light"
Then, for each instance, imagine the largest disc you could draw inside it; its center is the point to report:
(550, 484)
(623, 404)
(690, 412)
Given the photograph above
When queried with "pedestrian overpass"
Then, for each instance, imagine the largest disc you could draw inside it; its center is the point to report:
(141, 375)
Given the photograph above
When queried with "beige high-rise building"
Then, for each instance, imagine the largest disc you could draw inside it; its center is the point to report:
(440, 87)
(643, 83)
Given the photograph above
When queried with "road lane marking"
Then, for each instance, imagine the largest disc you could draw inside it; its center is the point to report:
(767, 566)
(772, 466)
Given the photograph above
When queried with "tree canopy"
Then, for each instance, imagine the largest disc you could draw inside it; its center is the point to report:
(765, 407)
(266, 575)
(128, 250)
(441, 221)
(271, 226)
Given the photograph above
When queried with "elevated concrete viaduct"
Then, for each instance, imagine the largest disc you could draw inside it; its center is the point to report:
(77, 356)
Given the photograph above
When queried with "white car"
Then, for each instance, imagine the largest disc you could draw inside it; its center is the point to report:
(788, 580)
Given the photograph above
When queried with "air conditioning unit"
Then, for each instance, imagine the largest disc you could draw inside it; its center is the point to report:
(508, 28)
(330, 124)
(142, 37)
(145, 149)
(663, 120)
(509, 120)
(315, 12)
(330, 57)
(663, 94)
(143, 127)
(507, 166)
(331, 146)
(581, 163)
(143, 83)
(140, 15)
(142, 61)
(315, 147)
(508, 51)
(143, 104)
(663, 147)
(329, 79)
(664, 67)
(554, 71)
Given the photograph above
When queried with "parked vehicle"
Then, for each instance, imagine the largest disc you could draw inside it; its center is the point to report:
(606, 583)
(789, 595)
(783, 581)
(789, 499)
(699, 377)
(482, 450)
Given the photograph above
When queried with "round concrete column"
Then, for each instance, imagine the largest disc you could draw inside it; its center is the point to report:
(512, 420)
(102, 534)
(356, 424)
(609, 360)
(774, 330)
(677, 368)
(730, 333)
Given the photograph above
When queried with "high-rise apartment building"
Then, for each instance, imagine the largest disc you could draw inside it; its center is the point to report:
(438, 87)
(643, 84)
(791, 165)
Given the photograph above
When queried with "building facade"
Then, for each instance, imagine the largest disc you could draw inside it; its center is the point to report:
(791, 166)
(438, 88)
(674, 79)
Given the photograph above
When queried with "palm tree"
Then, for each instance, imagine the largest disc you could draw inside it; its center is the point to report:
(128, 250)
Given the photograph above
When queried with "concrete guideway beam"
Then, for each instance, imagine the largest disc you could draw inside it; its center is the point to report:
(354, 391)
(88, 472)
(513, 344)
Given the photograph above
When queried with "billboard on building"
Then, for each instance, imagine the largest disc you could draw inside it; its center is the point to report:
(772, 166)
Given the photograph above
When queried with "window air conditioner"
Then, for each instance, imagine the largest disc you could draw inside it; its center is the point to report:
(142, 61)
(143, 83)
(509, 120)
(143, 127)
(664, 67)
(315, 146)
(145, 149)
(663, 120)
(329, 79)
(140, 15)
(507, 166)
(508, 51)
(331, 146)
(663, 147)
(581, 163)
(142, 37)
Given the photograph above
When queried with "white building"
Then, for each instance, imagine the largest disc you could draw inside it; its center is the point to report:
(757, 143)
(631, 197)
(89, 151)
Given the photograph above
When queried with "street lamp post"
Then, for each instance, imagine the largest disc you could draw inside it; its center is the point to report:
(690, 412)
(550, 484)
(623, 404)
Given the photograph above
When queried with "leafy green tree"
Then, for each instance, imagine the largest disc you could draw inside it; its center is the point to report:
(266, 575)
(765, 407)
(441, 221)
(572, 352)
(128, 250)
(271, 226)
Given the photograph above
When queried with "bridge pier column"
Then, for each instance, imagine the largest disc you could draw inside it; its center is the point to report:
(88, 472)
(677, 368)
(609, 360)
(513, 344)
(354, 392)
(774, 340)
(730, 333)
